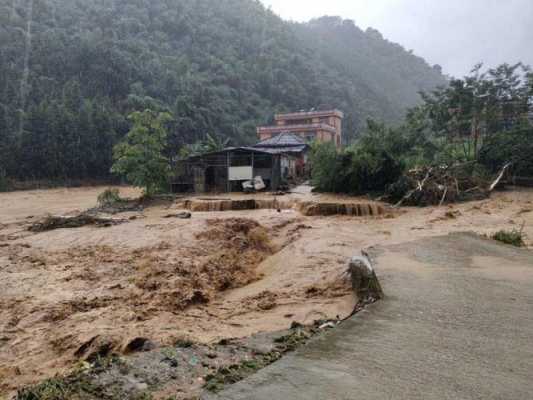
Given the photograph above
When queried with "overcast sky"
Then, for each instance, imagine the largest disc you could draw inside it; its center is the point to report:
(456, 34)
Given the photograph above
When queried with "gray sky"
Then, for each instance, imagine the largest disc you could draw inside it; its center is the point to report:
(456, 34)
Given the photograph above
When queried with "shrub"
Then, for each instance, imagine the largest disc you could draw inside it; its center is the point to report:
(52, 389)
(324, 159)
(514, 237)
(504, 147)
(109, 197)
(354, 171)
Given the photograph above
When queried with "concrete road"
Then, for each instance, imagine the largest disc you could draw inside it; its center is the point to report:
(457, 323)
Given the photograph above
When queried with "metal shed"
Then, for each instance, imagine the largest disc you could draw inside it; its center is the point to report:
(226, 170)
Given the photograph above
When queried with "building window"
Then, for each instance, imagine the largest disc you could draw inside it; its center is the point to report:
(310, 136)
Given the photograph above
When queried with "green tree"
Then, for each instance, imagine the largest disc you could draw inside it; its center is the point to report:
(140, 157)
(470, 110)
(211, 144)
(215, 143)
(92, 63)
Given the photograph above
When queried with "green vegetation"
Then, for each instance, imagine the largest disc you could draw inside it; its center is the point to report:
(109, 197)
(514, 237)
(4, 184)
(71, 71)
(235, 373)
(211, 144)
(356, 170)
(81, 384)
(459, 136)
(52, 389)
(140, 157)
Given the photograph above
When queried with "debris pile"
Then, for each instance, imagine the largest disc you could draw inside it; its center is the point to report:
(52, 222)
(428, 186)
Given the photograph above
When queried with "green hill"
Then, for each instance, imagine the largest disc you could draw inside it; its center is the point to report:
(72, 70)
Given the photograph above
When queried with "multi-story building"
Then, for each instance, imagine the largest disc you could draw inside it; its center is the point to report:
(321, 126)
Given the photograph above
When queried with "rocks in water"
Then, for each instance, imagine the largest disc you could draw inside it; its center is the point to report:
(365, 282)
(181, 215)
(138, 344)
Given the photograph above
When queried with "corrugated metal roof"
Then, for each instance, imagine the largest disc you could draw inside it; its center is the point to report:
(231, 149)
(284, 150)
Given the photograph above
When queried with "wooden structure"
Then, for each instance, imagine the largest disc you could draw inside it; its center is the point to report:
(321, 126)
(295, 165)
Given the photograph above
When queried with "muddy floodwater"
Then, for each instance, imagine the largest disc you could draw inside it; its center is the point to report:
(70, 294)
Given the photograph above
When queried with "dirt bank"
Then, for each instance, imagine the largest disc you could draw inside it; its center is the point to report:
(71, 294)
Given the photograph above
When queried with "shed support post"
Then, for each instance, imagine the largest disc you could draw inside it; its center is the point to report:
(228, 163)
(253, 166)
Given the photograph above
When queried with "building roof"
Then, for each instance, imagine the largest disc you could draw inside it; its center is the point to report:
(228, 150)
(284, 139)
(286, 150)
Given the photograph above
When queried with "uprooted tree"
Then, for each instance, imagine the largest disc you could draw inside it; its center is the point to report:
(425, 186)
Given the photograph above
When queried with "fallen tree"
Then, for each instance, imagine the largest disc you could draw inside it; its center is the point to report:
(427, 186)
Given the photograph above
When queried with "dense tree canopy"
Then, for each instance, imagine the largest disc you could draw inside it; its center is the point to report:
(72, 70)
(484, 120)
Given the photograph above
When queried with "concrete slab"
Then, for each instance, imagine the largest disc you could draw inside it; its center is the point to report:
(457, 323)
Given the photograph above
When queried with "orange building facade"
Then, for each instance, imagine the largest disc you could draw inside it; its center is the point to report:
(321, 126)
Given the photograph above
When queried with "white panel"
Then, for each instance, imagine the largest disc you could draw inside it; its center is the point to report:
(241, 173)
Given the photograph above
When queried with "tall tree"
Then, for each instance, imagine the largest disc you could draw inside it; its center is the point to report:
(140, 157)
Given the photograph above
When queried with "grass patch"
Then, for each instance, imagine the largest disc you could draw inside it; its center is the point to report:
(235, 373)
(514, 237)
(80, 385)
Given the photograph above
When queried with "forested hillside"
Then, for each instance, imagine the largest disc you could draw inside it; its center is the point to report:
(72, 70)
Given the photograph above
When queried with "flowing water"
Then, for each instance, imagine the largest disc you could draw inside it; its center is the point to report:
(306, 208)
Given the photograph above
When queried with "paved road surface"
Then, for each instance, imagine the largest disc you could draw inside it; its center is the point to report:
(457, 324)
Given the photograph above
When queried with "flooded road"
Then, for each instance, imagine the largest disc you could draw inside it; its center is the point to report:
(456, 324)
